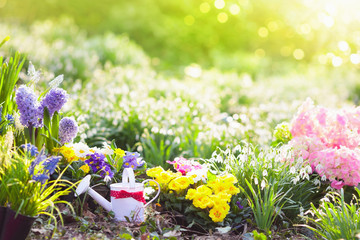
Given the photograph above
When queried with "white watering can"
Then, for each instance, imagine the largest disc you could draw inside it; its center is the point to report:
(127, 198)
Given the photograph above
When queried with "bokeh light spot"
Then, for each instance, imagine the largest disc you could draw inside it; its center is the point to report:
(263, 32)
(219, 4)
(222, 17)
(343, 46)
(260, 52)
(273, 26)
(355, 58)
(234, 9)
(204, 7)
(298, 54)
(189, 20)
(194, 71)
(337, 61)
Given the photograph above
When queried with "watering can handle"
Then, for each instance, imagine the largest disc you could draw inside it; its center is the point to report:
(128, 177)
(157, 194)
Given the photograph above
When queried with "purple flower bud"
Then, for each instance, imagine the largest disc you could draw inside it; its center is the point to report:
(28, 107)
(54, 100)
(68, 129)
(238, 203)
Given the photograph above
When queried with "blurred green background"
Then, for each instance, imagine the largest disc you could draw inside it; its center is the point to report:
(257, 37)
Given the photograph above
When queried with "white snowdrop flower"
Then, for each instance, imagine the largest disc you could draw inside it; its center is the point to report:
(319, 167)
(295, 179)
(308, 169)
(263, 184)
(323, 178)
(57, 81)
(301, 211)
(265, 173)
(107, 179)
(219, 159)
(317, 182)
(292, 170)
(256, 181)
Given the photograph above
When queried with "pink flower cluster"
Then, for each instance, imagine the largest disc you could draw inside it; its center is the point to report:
(184, 165)
(329, 140)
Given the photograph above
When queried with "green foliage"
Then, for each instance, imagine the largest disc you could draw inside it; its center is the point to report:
(9, 75)
(266, 203)
(336, 219)
(26, 196)
(254, 36)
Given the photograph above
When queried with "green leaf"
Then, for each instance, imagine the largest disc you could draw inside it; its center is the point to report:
(5, 40)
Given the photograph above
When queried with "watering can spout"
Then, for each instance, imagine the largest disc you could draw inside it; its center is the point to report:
(84, 186)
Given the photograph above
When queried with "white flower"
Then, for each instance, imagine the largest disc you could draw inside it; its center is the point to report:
(81, 149)
(107, 150)
(263, 184)
(323, 178)
(265, 173)
(34, 75)
(198, 174)
(57, 81)
(148, 191)
(292, 170)
(256, 181)
(107, 179)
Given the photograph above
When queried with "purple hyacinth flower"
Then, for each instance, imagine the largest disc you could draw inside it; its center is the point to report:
(54, 100)
(68, 129)
(28, 107)
(9, 118)
(40, 178)
(31, 149)
(50, 164)
(40, 157)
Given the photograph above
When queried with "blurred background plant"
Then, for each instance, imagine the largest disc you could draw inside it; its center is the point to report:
(255, 37)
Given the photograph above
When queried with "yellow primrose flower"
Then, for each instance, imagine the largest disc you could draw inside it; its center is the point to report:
(119, 152)
(228, 178)
(153, 172)
(164, 177)
(202, 201)
(220, 199)
(217, 214)
(68, 153)
(180, 183)
(191, 194)
(204, 190)
(232, 190)
(219, 187)
(173, 185)
(85, 168)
